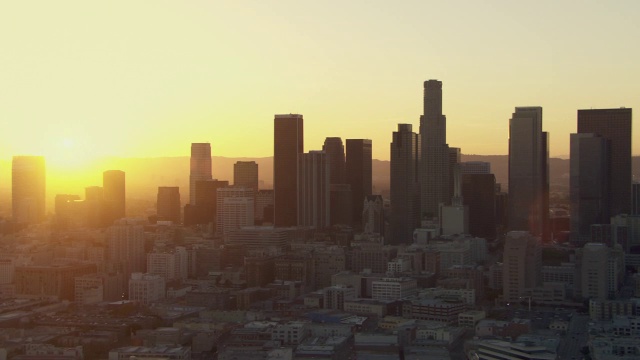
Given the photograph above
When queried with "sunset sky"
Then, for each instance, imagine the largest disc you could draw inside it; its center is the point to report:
(83, 79)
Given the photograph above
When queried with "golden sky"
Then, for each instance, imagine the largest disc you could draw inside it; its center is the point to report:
(81, 79)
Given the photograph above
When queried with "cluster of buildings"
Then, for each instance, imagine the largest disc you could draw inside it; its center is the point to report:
(450, 265)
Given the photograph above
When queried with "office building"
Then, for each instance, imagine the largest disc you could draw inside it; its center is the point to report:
(50, 281)
(334, 149)
(405, 185)
(313, 189)
(454, 218)
(170, 264)
(359, 175)
(245, 174)
(600, 271)
(341, 208)
(288, 142)
(522, 264)
(615, 126)
(264, 206)
(28, 189)
(235, 208)
(200, 167)
(125, 247)
(113, 187)
(475, 167)
(589, 188)
(479, 194)
(528, 172)
(168, 204)
(435, 158)
(146, 288)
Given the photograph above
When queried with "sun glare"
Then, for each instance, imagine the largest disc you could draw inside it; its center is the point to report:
(69, 155)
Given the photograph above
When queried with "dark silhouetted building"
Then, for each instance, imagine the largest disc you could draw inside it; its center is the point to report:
(341, 212)
(313, 189)
(28, 180)
(200, 167)
(205, 209)
(113, 185)
(405, 186)
(528, 172)
(335, 151)
(288, 142)
(245, 174)
(479, 194)
(615, 126)
(168, 203)
(589, 184)
(359, 174)
(434, 168)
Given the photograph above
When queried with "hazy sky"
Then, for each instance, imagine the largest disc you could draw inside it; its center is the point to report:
(79, 79)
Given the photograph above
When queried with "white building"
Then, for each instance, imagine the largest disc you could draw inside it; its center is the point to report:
(393, 288)
(146, 288)
(171, 264)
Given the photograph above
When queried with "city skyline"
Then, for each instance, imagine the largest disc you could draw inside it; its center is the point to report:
(211, 73)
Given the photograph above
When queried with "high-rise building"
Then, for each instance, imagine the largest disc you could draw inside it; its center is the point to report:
(454, 218)
(475, 167)
(341, 208)
(125, 247)
(168, 203)
(522, 264)
(264, 206)
(615, 126)
(28, 189)
(288, 143)
(113, 187)
(235, 208)
(589, 188)
(200, 167)
(313, 189)
(245, 174)
(528, 172)
(479, 194)
(435, 158)
(405, 186)
(359, 174)
(335, 151)
(601, 270)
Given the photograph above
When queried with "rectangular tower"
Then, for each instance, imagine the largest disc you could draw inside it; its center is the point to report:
(28, 189)
(359, 175)
(434, 168)
(314, 189)
(200, 167)
(528, 174)
(589, 188)
(405, 188)
(113, 185)
(615, 126)
(288, 143)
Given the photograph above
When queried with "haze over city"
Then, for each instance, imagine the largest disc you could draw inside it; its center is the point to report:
(218, 180)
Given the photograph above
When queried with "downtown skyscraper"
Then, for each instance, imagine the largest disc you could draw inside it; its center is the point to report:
(528, 172)
(200, 167)
(313, 189)
(405, 186)
(28, 189)
(434, 168)
(359, 175)
(613, 125)
(288, 143)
